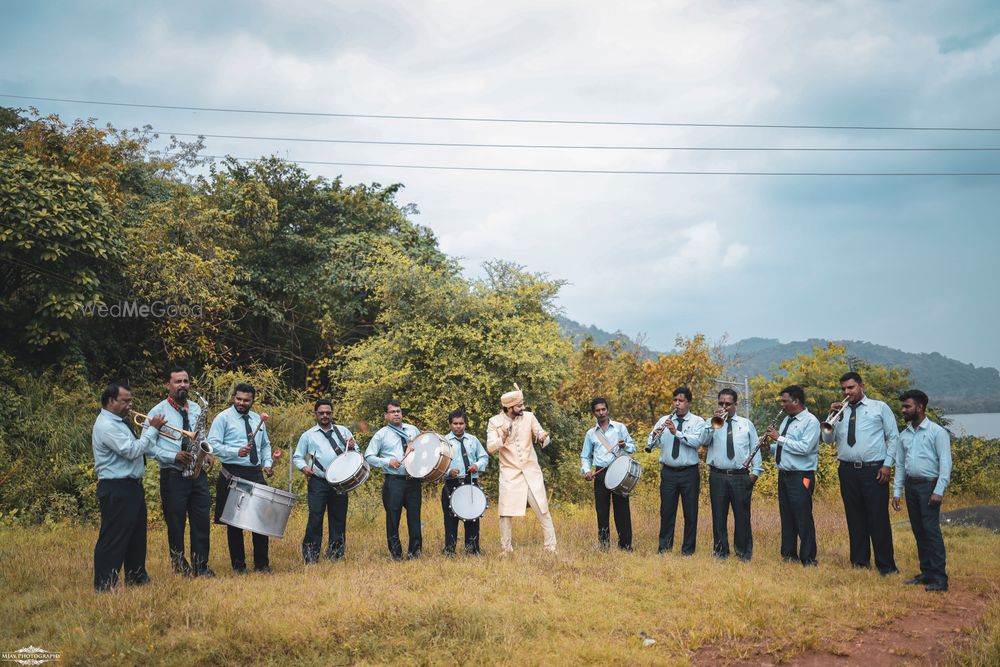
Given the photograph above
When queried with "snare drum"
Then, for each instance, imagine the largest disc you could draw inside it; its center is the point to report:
(347, 472)
(257, 507)
(622, 476)
(468, 502)
(430, 457)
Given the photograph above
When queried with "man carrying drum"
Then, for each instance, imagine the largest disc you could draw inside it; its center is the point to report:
(318, 448)
(599, 451)
(509, 434)
(386, 451)
(468, 461)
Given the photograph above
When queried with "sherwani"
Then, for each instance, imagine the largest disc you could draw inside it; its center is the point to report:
(519, 469)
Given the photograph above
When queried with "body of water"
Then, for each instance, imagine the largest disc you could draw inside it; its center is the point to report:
(984, 425)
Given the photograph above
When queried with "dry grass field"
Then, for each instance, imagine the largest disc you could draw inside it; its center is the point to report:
(579, 606)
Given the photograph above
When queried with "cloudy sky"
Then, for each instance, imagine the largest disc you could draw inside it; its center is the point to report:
(901, 261)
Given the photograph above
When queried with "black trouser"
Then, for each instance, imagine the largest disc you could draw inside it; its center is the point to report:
(122, 540)
(186, 499)
(731, 490)
(323, 500)
(926, 524)
(237, 552)
(451, 522)
(682, 483)
(603, 501)
(795, 505)
(866, 503)
(399, 492)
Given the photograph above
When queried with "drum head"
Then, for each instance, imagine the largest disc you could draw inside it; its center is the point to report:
(427, 450)
(616, 472)
(344, 467)
(468, 502)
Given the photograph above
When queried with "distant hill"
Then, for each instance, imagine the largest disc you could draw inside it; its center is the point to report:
(953, 386)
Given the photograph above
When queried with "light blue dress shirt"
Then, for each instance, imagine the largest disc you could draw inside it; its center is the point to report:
(800, 445)
(164, 449)
(875, 433)
(744, 441)
(314, 442)
(228, 436)
(387, 444)
(595, 453)
(692, 435)
(924, 452)
(117, 452)
(474, 450)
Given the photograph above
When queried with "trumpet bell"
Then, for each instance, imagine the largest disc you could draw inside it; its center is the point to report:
(718, 422)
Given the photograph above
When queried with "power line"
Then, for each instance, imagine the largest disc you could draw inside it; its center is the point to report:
(448, 144)
(474, 119)
(630, 172)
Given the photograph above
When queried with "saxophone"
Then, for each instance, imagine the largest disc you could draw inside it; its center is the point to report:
(201, 451)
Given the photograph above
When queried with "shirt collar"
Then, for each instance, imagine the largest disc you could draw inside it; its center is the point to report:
(925, 423)
(177, 406)
(108, 413)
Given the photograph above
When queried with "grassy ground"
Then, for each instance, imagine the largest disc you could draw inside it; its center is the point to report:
(532, 608)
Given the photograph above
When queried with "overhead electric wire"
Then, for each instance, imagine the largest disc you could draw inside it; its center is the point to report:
(449, 144)
(477, 119)
(631, 172)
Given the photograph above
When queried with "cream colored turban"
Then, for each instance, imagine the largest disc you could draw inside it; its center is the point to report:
(512, 398)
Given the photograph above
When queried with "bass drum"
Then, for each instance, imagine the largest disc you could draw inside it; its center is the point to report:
(430, 457)
(258, 508)
(347, 472)
(468, 502)
(622, 476)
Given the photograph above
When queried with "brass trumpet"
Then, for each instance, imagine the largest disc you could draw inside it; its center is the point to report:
(719, 422)
(179, 433)
(835, 416)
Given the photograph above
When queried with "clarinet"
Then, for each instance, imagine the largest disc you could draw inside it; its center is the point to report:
(658, 431)
(763, 439)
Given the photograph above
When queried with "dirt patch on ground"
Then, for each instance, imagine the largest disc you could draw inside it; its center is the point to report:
(925, 636)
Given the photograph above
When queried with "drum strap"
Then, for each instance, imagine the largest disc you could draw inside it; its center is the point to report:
(329, 437)
(604, 441)
(402, 436)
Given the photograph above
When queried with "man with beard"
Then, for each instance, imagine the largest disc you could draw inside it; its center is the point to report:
(230, 438)
(183, 498)
(316, 451)
(509, 434)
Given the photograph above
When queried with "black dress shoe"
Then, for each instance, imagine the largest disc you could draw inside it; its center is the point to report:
(263, 569)
(240, 570)
(936, 587)
(140, 580)
(916, 580)
(206, 573)
(887, 573)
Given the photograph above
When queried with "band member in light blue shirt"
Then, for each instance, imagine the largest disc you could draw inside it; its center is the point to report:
(923, 468)
(730, 483)
(386, 451)
(468, 461)
(866, 437)
(239, 439)
(679, 438)
(316, 451)
(120, 464)
(796, 456)
(182, 497)
(602, 445)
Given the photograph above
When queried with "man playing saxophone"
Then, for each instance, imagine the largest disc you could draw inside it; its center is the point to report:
(182, 497)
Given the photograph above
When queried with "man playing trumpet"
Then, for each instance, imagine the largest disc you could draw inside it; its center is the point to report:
(509, 435)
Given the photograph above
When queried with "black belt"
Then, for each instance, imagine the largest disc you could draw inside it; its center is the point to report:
(120, 480)
(794, 472)
(730, 471)
(861, 464)
(679, 468)
(910, 478)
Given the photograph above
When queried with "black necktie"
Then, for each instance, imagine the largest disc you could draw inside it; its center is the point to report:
(676, 452)
(329, 437)
(730, 448)
(465, 457)
(185, 441)
(777, 454)
(254, 459)
(851, 438)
